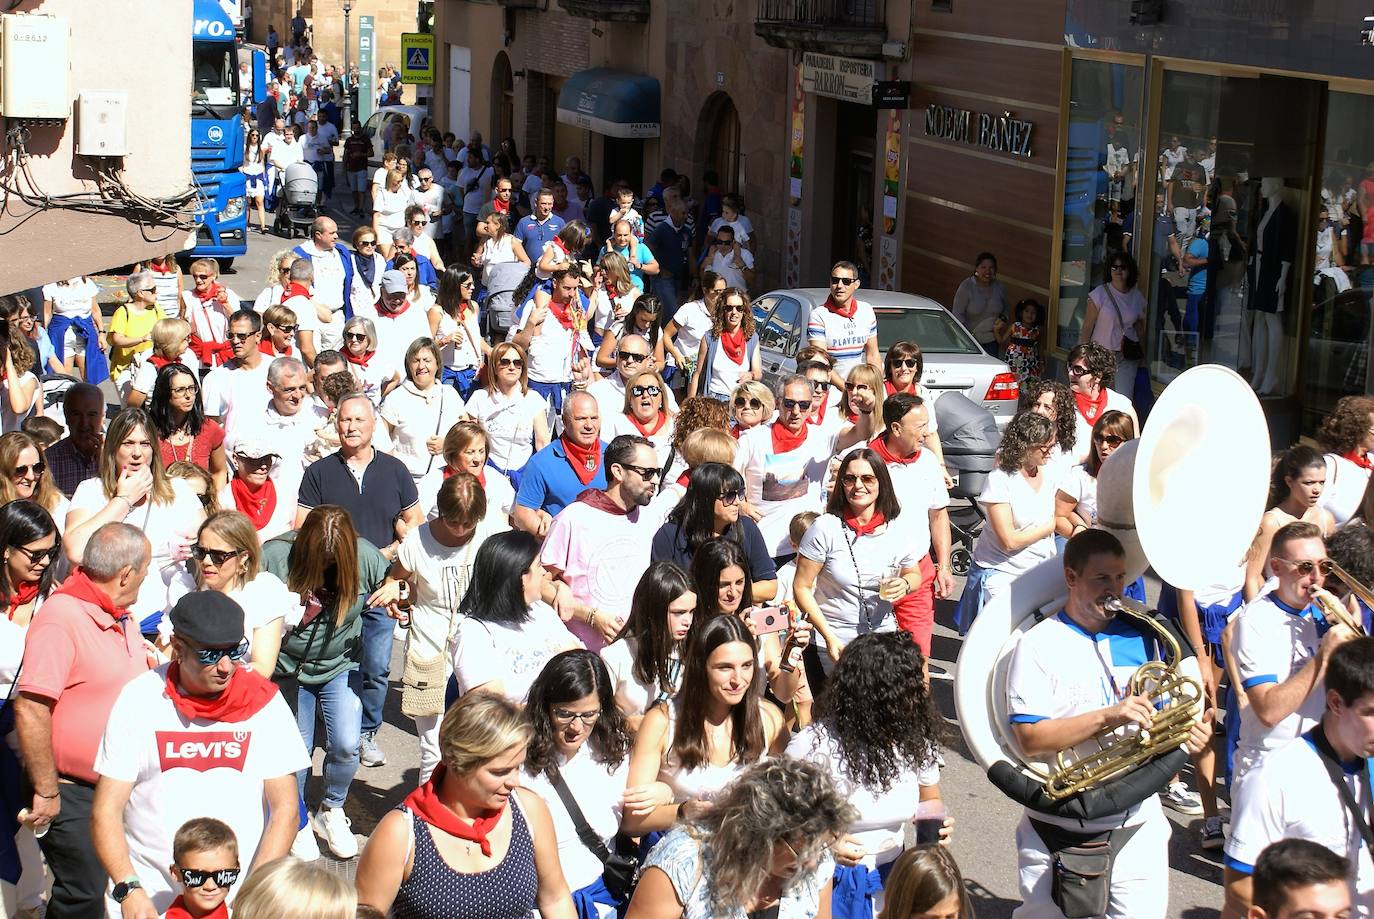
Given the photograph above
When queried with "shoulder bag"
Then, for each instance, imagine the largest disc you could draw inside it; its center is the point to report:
(1131, 349)
(621, 867)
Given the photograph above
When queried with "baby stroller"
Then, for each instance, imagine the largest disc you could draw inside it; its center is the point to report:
(969, 437)
(499, 306)
(296, 207)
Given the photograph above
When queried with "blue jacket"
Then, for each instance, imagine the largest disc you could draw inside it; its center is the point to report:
(424, 272)
(97, 367)
(347, 258)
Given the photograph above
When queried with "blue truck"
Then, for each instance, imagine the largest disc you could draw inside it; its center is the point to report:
(216, 129)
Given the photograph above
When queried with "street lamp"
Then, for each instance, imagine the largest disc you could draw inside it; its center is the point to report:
(347, 8)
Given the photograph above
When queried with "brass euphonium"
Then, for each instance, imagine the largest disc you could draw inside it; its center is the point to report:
(1331, 606)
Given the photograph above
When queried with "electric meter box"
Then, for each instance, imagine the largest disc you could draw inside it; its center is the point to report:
(35, 67)
(102, 124)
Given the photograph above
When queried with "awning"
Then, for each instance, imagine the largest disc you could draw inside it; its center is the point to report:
(611, 102)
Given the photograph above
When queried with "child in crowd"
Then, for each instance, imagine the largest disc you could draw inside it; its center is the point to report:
(732, 216)
(625, 210)
(332, 389)
(206, 864)
(1022, 340)
(47, 431)
(786, 573)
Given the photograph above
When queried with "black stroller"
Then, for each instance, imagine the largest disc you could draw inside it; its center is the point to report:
(969, 437)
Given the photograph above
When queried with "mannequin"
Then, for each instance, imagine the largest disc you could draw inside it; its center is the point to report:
(1274, 246)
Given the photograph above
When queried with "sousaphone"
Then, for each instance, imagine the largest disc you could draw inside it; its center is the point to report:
(1186, 498)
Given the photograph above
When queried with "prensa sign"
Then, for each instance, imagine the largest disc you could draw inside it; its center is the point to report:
(999, 133)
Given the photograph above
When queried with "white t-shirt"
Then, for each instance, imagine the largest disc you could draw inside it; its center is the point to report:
(144, 373)
(612, 426)
(191, 768)
(162, 524)
(1290, 796)
(509, 423)
(307, 322)
(741, 225)
(1082, 487)
(598, 790)
(550, 354)
(782, 485)
(441, 577)
(395, 333)
(433, 202)
(1116, 402)
(1345, 485)
(237, 396)
(847, 586)
(467, 353)
(1271, 641)
(920, 489)
(844, 337)
(500, 498)
(328, 286)
(283, 517)
(481, 193)
(724, 265)
(619, 657)
(415, 416)
(71, 299)
(882, 814)
(265, 600)
(693, 322)
(1028, 506)
(9, 420)
(390, 206)
(515, 655)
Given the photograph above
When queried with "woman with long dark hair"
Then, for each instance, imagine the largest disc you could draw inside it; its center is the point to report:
(29, 544)
(24, 475)
(581, 745)
(183, 431)
(1091, 367)
(877, 732)
(645, 660)
(642, 320)
(454, 327)
(1295, 491)
(704, 737)
(711, 509)
(1054, 400)
(506, 632)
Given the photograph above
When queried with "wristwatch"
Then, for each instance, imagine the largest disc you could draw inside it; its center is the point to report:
(124, 888)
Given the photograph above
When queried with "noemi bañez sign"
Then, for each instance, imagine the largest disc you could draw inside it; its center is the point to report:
(1001, 133)
(417, 58)
(843, 78)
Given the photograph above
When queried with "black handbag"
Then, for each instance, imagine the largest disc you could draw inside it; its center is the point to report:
(620, 869)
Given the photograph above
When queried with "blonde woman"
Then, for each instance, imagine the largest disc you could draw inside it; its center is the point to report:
(389, 209)
(171, 345)
(200, 480)
(751, 404)
(133, 488)
(289, 888)
(278, 276)
(24, 475)
(645, 413)
(207, 306)
(512, 416)
(613, 294)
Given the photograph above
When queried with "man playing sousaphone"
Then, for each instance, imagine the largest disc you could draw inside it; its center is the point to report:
(1067, 685)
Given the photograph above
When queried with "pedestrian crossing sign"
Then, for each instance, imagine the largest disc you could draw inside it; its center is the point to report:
(417, 58)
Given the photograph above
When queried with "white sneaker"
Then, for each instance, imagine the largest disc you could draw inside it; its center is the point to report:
(336, 830)
(304, 845)
(1178, 798)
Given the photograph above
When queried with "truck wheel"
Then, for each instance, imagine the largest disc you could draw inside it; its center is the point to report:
(225, 264)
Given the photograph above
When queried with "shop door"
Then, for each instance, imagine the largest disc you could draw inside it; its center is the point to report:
(622, 158)
(852, 234)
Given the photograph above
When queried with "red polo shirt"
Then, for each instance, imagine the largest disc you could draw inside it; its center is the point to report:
(80, 657)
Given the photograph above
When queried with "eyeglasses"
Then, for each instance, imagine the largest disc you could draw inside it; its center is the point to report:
(802, 404)
(565, 716)
(1118, 268)
(209, 657)
(755, 404)
(645, 472)
(184, 390)
(202, 277)
(218, 556)
(366, 242)
(510, 362)
(39, 556)
(288, 329)
(725, 242)
(37, 469)
(419, 223)
(730, 498)
(629, 357)
(356, 336)
(909, 363)
(837, 280)
(637, 391)
(223, 877)
(241, 336)
(1078, 370)
(1305, 567)
(1110, 440)
(850, 480)
(818, 385)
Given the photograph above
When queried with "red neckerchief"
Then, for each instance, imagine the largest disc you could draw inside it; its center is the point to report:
(735, 431)
(158, 269)
(563, 312)
(255, 504)
(209, 295)
(450, 472)
(159, 362)
(784, 441)
(733, 343)
(879, 446)
(595, 497)
(817, 415)
(562, 247)
(383, 309)
(585, 461)
(500, 207)
(685, 479)
(657, 424)
(266, 347)
(178, 910)
(211, 353)
(863, 529)
(1359, 458)
(424, 803)
(24, 592)
(294, 289)
(80, 586)
(355, 359)
(1091, 409)
(890, 390)
(246, 694)
(838, 311)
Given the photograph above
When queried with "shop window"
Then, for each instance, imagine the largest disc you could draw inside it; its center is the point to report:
(942, 6)
(1100, 180)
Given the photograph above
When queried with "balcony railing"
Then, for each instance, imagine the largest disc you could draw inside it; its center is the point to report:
(608, 10)
(853, 28)
(519, 4)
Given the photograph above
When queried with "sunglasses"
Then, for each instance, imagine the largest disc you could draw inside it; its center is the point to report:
(908, 363)
(37, 469)
(1305, 567)
(218, 556)
(802, 404)
(755, 404)
(725, 242)
(1078, 370)
(202, 277)
(645, 472)
(836, 279)
(366, 242)
(730, 498)
(223, 877)
(850, 480)
(1111, 440)
(638, 391)
(209, 657)
(356, 336)
(36, 556)
(818, 385)
(241, 336)
(510, 362)
(419, 223)
(288, 329)
(1118, 268)
(629, 357)
(205, 499)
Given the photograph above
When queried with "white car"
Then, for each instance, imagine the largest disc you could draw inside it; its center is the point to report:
(379, 124)
(953, 359)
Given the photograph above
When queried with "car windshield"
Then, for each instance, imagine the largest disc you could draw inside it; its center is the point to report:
(935, 331)
(215, 79)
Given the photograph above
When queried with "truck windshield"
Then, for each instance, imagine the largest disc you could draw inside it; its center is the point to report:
(215, 79)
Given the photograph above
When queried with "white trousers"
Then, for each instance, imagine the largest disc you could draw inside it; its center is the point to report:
(1140, 888)
(427, 731)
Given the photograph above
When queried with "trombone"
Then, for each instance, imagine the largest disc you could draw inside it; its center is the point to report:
(1333, 609)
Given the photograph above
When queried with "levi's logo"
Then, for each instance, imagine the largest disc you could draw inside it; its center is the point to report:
(202, 750)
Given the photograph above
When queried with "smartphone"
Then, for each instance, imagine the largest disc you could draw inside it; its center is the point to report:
(768, 619)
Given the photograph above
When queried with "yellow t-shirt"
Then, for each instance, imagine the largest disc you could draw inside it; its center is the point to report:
(135, 325)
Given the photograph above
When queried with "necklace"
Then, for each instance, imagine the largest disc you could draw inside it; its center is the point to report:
(188, 443)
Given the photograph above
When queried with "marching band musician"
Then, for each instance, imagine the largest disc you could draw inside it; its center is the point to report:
(1282, 646)
(1315, 788)
(1066, 685)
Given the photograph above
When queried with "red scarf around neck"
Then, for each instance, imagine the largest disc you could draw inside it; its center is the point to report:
(562, 247)
(817, 415)
(246, 694)
(563, 312)
(450, 472)
(500, 207)
(266, 347)
(685, 479)
(355, 359)
(257, 504)
(294, 289)
(595, 497)
(585, 461)
(1359, 458)
(24, 592)
(178, 911)
(890, 389)
(384, 308)
(158, 269)
(733, 343)
(653, 427)
(846, 312)
(159, 362)
(1091, 408)
(879, 446)
(80, 586)
(784, 441)
(211, 293)
(863, 529)
(424, 802)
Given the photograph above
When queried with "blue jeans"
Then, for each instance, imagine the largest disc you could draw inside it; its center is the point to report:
(465, 380)
(378, 629)
(666, 291)
(337, 700)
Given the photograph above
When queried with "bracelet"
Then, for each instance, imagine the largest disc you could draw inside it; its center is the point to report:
(591, 617)
(47, 797)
